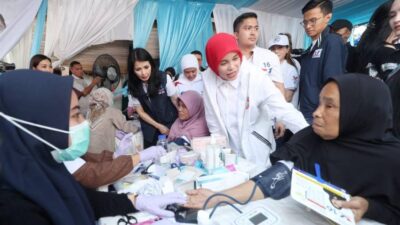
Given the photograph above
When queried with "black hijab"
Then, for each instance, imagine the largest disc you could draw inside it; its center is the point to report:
(27, 165)
(365, 158)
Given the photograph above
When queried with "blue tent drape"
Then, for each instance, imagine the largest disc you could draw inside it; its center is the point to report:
(307, 41)
(179, 24)
(201, 41)
(357, 11)
(237, 3)
(145, 13)
(39, 28)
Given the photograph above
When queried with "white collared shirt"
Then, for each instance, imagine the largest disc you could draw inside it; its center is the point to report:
(81, 83)
(268, 62)
(227, 95)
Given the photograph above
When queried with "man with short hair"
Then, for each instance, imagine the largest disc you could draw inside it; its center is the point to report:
(82, 85)
(325, 58)
(246, 30)
(343, 28)
(199, 58)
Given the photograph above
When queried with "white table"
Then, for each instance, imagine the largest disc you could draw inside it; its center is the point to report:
(288, 210)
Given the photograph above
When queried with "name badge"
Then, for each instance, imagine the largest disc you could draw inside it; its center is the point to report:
(317, 53)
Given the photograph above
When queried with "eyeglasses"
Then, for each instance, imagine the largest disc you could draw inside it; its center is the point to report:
(250, 28)
(312, 22)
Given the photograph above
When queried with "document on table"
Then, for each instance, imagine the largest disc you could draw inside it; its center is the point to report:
(318, 195)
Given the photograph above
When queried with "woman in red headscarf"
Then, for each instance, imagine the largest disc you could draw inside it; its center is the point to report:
(241, 103)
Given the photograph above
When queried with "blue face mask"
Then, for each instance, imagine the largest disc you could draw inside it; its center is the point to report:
(80, 138)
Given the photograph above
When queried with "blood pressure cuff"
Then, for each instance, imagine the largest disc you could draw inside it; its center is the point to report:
(275, 181)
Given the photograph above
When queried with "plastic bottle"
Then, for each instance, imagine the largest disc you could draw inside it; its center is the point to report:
(213, 151)
(162, 141)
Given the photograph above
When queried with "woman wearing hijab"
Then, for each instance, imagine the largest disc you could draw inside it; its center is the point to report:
(355, 151)
(191, 78)
(191, 120)
(241, 104)
(35, 187)
(105, 120)
(152, 94)
(98, 166)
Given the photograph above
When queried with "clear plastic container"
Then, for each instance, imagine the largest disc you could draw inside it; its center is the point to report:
(213, 159)
(162, 141)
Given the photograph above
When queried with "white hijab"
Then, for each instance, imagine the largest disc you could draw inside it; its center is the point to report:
(189, 61)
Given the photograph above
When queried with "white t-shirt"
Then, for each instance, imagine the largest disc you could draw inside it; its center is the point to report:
(268, 62)
(183, 84)
(171, 91)
(291, 77)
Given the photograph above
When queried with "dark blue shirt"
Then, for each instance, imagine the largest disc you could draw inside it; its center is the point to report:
(327, 58)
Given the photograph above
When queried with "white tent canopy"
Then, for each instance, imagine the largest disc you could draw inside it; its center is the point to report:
(74, 25)
(270, 24)
(291, 8)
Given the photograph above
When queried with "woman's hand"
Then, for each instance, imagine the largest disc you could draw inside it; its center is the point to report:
(279, 130)
(163, 129)
(358, 205)
(197, 198)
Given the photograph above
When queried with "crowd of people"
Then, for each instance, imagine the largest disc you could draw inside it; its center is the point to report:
(339, 102)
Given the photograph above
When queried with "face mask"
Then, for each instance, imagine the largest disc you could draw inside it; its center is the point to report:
(80, 136)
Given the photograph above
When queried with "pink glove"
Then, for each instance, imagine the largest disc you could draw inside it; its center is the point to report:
(151, 153)
(155, 204)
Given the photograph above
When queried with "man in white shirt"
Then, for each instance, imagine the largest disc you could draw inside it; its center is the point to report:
(246, 30)
(191, 79)
(83, 85)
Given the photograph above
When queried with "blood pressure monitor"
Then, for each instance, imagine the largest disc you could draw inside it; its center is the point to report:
(257, 216)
